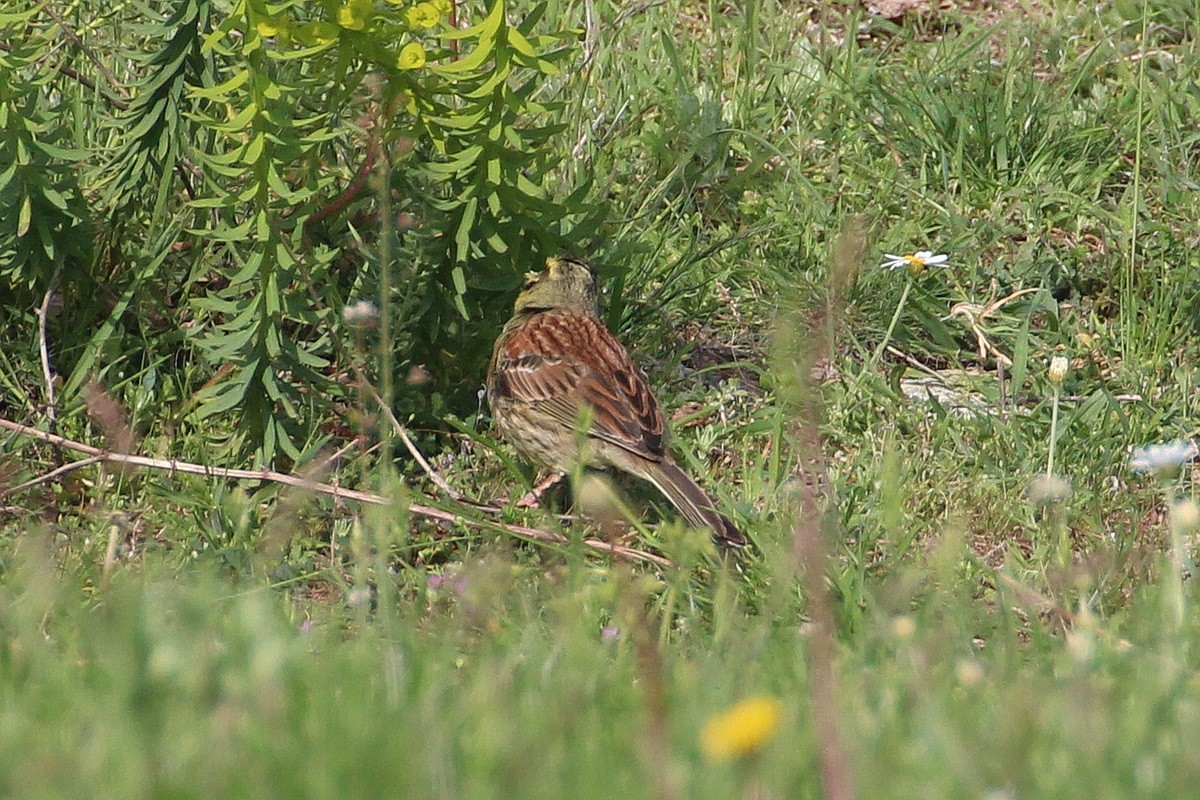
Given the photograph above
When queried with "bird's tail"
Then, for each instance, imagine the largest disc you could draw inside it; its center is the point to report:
(695, 505)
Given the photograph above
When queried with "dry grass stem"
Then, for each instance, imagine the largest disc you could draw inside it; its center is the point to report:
(426, 512)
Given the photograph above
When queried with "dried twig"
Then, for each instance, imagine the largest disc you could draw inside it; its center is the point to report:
(354, 188)
(83, 80)
(428, 512)
(632, 11)
(51, 475)
(601, 503)
(432, 474)
(916, 364)
(812, 525)
(590, 35)
(977, 314)
(83, 48)
(44, 349)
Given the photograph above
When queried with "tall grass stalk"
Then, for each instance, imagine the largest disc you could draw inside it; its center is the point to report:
(891, 328)
(1131, 331)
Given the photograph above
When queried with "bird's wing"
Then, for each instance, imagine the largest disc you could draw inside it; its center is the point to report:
(565, 363)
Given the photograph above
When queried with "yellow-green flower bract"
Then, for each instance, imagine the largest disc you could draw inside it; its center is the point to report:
(354, 14)
(412, 56)
(422, 15)
(269, 26)
(318, 32)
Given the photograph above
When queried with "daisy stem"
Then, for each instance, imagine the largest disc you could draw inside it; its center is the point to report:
(1053, 432)
(1176, 604)
(887, 337)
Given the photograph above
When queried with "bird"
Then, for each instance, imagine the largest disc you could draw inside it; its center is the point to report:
(562, 390)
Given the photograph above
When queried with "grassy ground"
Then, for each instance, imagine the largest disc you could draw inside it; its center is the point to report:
(172, 636)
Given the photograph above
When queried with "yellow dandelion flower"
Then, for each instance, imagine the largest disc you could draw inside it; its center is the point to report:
(412, 56)
(422, 15)
(354, 14)
(443, 6)
(741, 730)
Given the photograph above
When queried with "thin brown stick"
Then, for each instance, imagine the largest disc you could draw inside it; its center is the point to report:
(632, 11)
(44, 348)
(428, 512)
(813, 524)
(83, 80)
(810, 545)
(74, 37)
(928, 370)
(453, 20)
(590, 35)
(411, 446)
(651, 671)
(353, 189)
(346, 448)
(110, 552)
(51, 475)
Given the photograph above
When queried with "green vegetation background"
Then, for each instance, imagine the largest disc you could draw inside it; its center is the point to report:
(194, 193)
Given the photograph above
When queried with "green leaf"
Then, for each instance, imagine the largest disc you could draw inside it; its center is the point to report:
(460, 280)
(56, 199)
(462, 236)
(9, 18)
(497, 243)
(222, 234)
(225, 396)
(459, 122)
(519, 43)
(489, 26)
(498, 76)
(487, 43)
(262, 226)
(23, 216)
(459, 163)
(7, 176)
(529, 187)
(254, 149)
(1021, 348)
(221, 92)
(61, 153)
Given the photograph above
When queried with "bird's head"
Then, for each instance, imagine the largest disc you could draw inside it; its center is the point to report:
(567, 284)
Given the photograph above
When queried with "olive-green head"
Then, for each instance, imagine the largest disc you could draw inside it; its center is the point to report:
(567, 284)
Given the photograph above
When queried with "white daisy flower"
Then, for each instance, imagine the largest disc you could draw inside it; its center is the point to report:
(915, 263)
(1155, 458)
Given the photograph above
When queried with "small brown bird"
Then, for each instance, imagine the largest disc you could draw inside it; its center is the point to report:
(556, 366)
